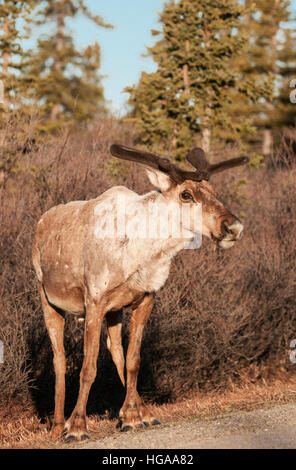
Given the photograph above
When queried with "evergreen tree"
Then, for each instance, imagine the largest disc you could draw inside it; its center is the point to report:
(189, 94)
(285, 105)
(11, 46)
(259, 65)
(62, 80)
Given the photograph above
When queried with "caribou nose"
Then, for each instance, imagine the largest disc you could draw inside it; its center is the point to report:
(235, 229)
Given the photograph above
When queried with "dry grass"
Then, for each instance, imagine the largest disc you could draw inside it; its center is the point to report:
(26, 431)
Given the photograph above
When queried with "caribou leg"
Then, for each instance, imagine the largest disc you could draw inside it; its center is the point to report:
(134, 413)
(55, 325)
(114, 341)
(76, 425)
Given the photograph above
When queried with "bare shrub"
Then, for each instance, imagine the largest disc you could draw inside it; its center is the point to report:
(229, 316)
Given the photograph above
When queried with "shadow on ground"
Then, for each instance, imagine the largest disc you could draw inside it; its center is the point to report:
(107, 393)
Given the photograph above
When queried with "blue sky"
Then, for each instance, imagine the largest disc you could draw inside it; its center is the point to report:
(121, 47)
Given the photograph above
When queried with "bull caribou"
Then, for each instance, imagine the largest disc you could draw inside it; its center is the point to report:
(84, 270)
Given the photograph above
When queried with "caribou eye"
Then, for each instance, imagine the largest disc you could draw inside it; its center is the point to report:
(186, 196)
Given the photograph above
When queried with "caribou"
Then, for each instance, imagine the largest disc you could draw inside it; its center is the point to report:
(86, 268)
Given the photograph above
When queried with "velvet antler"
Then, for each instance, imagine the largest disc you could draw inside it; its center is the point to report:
(196, 158)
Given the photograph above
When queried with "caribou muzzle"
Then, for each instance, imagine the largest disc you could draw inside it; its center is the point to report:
(231, 231)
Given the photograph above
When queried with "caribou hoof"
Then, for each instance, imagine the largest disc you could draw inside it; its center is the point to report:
(126, 428)
(155, 422)
(74, 437)
(75, 429)
(134, 416)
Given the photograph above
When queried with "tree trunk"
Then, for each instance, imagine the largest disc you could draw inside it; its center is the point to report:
(186, 69)
(5, 67)
(174, 138)
(206, 139)
(57, 108)
(206, 131)
(267, 145)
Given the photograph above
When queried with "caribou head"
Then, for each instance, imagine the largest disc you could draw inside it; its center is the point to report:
(191, 187)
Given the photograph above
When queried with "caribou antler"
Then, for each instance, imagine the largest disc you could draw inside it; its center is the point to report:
(148, 159)
(196, 158)
(154, 161)
(226, 164)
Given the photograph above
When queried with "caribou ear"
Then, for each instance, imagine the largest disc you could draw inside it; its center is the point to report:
(159, 179)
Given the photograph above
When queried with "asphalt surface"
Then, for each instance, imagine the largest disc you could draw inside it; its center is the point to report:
(267, 428)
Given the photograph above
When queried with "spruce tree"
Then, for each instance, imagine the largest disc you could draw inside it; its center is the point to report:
(61, 79)
(11, 47)
(187, 98)
(259, 65)
(285, 103)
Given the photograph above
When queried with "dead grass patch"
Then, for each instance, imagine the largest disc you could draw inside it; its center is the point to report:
(24, 430)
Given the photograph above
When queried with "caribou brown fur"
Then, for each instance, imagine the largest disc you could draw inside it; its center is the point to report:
(82, 272)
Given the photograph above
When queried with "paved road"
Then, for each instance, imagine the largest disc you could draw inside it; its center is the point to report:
(268, 428)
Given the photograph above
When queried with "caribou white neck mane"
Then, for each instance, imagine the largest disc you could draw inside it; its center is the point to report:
(143, 262)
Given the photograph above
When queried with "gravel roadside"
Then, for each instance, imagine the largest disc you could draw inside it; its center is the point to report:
(267, 428)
